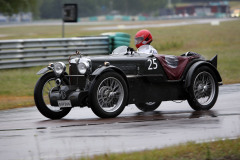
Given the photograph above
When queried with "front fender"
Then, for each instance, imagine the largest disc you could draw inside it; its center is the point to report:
(43, 70)
(103, 69)
(197, 65)
(100, 70)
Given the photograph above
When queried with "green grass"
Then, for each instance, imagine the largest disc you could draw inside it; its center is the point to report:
(234, 5)
(218, 150)
(18, 82)
(17, 87)
(205, 39)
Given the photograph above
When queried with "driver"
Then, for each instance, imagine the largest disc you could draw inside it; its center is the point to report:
(144, 37)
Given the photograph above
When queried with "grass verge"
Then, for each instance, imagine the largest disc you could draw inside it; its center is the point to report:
(17, 85)
(218, 150)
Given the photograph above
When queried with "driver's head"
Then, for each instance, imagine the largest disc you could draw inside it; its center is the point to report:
(143, 37)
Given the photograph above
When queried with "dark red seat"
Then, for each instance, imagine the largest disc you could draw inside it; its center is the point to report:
(174, 65)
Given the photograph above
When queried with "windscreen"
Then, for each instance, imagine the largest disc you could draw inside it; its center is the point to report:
(120, 50)
(146, 49)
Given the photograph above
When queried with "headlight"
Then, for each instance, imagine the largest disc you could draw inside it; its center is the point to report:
(59, 68)
(83, 65)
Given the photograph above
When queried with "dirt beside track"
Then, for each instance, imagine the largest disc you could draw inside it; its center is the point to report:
(10, 102)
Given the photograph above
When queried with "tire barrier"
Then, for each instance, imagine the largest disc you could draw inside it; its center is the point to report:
(118, 39)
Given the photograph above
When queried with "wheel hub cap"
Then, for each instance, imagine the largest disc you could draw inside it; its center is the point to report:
(110, 94)
(204, 88)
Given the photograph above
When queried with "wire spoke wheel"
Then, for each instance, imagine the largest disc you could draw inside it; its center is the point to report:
(45, 94)
(148, 106)
(204, 88)
(41, 97)
(110, 94)
(203, 91)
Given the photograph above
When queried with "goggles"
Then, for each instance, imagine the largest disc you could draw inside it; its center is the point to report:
(138, 40)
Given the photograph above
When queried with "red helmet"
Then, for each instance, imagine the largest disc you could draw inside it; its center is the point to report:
(143, 37)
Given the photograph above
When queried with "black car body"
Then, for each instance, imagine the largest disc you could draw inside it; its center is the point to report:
(107, 84)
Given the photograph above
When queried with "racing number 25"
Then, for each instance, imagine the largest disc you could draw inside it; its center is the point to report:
(153, 64)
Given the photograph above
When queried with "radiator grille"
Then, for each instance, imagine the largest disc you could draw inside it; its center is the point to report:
(75, 78)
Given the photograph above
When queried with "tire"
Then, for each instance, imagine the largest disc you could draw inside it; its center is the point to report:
(148, 106)
(41, 97)
(203, 90)
(108, 95)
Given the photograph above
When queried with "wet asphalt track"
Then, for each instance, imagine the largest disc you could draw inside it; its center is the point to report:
(27, 135)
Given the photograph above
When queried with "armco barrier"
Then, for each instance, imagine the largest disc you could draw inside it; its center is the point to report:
(36, 52)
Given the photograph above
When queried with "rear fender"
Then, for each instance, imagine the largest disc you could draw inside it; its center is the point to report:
(213, 61)
(197, 65)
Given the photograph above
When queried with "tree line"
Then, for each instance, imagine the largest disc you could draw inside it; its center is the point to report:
(52, 8)
(49, 9)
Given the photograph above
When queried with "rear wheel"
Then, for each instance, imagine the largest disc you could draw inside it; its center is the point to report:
(108, 95)
(148, 106)
(203, 91)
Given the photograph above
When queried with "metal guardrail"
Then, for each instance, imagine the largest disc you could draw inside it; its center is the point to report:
(36, 52)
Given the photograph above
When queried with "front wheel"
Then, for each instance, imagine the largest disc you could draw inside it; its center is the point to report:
(203, 91)
(148, 106)
(41, 96)
(108, 95)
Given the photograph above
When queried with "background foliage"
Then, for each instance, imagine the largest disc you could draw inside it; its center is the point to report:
(52, 9)
(10, 7)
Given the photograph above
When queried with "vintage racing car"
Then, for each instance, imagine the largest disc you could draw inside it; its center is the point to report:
(108, 83)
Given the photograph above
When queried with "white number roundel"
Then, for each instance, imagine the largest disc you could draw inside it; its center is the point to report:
(152, 64)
